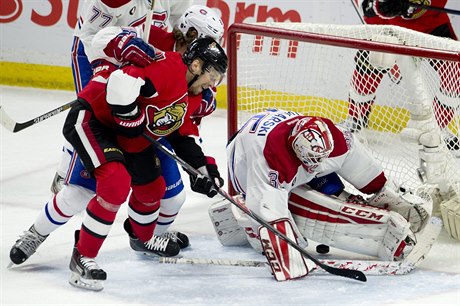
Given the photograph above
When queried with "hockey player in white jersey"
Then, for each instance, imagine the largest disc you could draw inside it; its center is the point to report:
(286, 168)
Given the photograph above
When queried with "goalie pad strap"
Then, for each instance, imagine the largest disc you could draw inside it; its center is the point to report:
(285, 261)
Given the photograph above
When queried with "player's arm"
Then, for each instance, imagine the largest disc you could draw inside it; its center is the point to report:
(99, 15)
(121, 45)
(123, 88)
(187, 149)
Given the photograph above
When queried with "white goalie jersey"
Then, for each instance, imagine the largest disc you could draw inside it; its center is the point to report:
(264, 168)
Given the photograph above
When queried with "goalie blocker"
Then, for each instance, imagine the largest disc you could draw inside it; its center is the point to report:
(358, 228)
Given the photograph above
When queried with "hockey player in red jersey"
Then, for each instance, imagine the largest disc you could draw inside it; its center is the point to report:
(106, 126)
(96, 15)
(284, 164)
(197, 21)
(367, 78)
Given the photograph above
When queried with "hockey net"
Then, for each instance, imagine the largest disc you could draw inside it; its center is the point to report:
(312, 69)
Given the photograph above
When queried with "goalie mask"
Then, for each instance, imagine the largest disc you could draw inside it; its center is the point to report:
(204, 20)
(311, 141)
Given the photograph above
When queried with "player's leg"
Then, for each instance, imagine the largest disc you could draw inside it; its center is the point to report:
(70, 200)
(172, 201)
(348, 226)
(148, 188)
(364, 83)
(82, 73)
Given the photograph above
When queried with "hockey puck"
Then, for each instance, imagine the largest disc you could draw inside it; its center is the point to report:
(322, 249)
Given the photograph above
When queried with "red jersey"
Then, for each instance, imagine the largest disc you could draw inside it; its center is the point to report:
(168, 110)
(161, 39)
(421, 20)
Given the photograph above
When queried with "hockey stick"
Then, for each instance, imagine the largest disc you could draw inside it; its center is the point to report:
(371, 267)
(353, 274)
(435, 8)
(355, 6)
(14, 126)
(148, 22)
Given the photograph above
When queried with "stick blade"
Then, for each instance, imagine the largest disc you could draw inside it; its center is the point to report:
(6, 120)
(353, 274)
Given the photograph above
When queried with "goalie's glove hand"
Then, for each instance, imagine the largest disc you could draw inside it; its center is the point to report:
(391, 8)
(209, 181)
(126, 47)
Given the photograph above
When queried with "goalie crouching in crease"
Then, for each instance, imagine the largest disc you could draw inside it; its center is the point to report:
(286, 168)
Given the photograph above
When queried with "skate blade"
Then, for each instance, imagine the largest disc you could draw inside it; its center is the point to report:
(10, 265)
(89, 284)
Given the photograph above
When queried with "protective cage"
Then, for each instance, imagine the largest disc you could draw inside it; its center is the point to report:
(408, 82)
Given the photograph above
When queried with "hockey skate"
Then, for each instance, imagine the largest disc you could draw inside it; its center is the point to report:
(178, 237)
(57, 184)
(452, 143)
(156, 246)
(26, 245)
(86, 273)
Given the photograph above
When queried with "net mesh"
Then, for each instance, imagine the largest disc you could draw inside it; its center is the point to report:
(388, 100)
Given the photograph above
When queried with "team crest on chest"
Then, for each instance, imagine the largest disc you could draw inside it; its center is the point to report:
(163, 121)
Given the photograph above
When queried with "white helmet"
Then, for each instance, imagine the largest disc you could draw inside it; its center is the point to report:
(204, 20)
(311, 140)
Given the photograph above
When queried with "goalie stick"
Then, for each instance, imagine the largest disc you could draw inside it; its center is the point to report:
(370, 267)
(353, 274)
(14, 126)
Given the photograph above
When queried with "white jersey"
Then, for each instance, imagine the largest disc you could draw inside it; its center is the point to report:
(264, 168)
(99, 14)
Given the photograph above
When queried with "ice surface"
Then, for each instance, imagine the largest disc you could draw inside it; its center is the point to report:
(28, 160)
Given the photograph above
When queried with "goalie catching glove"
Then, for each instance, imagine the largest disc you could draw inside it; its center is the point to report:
(415, 208)
(209, 180)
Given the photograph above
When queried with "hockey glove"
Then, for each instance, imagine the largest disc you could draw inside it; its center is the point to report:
(391, 8)
(122, 91)
(126, 47)
(202, 183)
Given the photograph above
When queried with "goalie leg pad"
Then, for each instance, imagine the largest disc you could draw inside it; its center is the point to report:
(354, 227)
(228, 231)
(285, 261)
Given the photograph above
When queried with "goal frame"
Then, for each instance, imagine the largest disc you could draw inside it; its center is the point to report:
(308, 37)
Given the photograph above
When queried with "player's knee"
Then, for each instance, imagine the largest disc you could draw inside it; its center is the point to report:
(113, 182)
(151, 192)
(72, 199)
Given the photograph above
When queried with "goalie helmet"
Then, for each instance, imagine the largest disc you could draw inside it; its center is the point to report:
(210, 52)
(204, 20)
(311, 141)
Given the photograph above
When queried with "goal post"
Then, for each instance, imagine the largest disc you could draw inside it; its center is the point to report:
(401, 86)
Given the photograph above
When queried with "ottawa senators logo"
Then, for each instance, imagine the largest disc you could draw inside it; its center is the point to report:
(162, 122)
(415, 12)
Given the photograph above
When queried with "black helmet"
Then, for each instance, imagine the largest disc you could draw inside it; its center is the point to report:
(209, 51)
